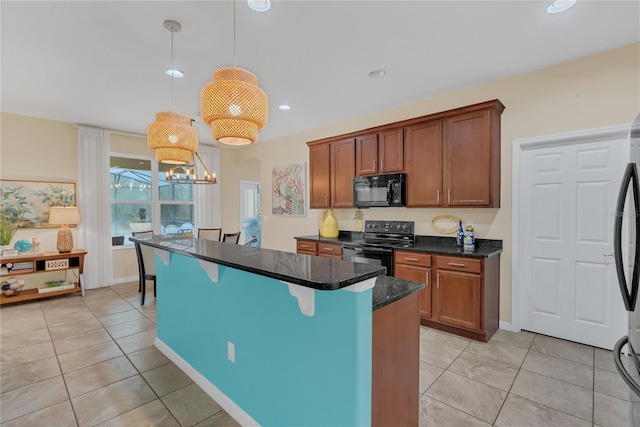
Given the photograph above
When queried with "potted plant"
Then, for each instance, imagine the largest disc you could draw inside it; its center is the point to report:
(7, 230)
(357, 220)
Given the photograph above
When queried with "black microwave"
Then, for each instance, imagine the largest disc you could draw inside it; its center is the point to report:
(379, 191)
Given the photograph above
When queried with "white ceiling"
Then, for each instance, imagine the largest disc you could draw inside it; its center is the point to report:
(102, 63)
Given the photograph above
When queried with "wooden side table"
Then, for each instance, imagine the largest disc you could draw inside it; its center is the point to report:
(42, 263)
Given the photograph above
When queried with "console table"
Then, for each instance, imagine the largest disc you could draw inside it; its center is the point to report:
(42, 263)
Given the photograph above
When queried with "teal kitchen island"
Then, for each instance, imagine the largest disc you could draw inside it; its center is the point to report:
(281, 339)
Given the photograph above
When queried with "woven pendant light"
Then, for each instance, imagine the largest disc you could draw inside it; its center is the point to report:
(234, 106)
(171, 136)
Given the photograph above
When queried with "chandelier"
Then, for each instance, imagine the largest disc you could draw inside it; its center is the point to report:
(188, 173)
(233, 104)
(171, 136)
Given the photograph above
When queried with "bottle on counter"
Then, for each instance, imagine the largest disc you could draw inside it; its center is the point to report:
(460, 235)
(469, 241)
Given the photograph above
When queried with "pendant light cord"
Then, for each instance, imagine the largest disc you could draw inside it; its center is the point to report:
(172, 71)
(234, 33)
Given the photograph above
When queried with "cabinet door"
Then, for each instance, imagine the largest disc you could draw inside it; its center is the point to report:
(367, 155)
(468, 171)
(458, 300)
(423, 164)
(418, 274)
(319, 173)
(342, 173)
(391, 151)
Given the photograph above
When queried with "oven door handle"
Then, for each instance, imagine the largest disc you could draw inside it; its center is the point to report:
(359, 249)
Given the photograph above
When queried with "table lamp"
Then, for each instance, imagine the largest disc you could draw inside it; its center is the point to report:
(64, 216)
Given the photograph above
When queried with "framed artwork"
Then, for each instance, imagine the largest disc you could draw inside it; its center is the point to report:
(27, 203)
(288, 184)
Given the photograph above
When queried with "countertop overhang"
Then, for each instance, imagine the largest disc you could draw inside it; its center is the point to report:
(304, 270)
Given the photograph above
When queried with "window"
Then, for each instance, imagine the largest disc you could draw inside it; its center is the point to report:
(142, 200)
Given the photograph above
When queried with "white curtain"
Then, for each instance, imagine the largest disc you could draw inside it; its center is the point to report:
(94, 202)
(207, 197)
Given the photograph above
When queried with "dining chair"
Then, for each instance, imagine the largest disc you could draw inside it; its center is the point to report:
(146, 264)
(231, 237)
(210, 233)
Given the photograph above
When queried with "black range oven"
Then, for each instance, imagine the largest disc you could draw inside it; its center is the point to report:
(380, 239)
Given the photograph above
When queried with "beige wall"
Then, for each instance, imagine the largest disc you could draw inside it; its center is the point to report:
(596, 91)
(45, 150)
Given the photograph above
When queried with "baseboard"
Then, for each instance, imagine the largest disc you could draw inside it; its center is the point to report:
(506, 326)
(214, 392)
(124, 280)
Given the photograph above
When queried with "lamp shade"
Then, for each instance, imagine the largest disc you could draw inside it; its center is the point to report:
(234, 106)
(172, 138)
(64, 215)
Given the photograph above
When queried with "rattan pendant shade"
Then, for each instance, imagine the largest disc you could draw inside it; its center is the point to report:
(234, 106)
(172, 138)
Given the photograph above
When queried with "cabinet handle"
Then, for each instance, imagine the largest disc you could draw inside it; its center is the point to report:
(304, 246)
(449, 202)
(411, 259)
(381, 165)
(438, 192)
(438, 280)
(326, 200)
(456, 264)
(328, 249)
(427, 282)
(373, 164)
(333, 200)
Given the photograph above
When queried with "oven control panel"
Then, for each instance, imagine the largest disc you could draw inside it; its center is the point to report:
(391, 227)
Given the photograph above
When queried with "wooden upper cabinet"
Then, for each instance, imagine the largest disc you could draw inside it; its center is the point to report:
(380, 153)
(391, 151)
(319, 176)
(342, 172)
(367, 155)
(423, 164)
(471, 159)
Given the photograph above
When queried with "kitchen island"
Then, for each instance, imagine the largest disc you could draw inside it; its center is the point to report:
(278, 338)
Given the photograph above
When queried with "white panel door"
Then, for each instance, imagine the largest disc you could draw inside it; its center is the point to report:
(568, 283)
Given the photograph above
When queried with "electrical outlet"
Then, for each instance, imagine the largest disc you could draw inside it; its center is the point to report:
(231, 351)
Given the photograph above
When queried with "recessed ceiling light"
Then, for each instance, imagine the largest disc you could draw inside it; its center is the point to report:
(560, 6)
(377, 73)
(285, 107)
(259, 5)
(175, 73)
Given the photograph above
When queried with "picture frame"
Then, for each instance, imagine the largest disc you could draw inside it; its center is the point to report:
(288, 190)
(28, 202)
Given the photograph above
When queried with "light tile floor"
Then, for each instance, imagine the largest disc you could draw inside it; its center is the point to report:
(72, 361)
(518, 379)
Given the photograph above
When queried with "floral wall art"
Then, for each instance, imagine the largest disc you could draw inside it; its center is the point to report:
(27, 203)
(288, 190)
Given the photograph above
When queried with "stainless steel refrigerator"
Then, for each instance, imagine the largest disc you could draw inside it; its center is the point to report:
(627, 257)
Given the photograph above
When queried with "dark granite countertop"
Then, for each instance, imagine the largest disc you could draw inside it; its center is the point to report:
(390, 289)
(305, 270)
(343, 237)
(485, 248)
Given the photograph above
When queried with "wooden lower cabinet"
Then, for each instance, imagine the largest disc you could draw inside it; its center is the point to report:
(326, 250)
(418, 274)
(462, 294)
(395, 363)
(459, 299)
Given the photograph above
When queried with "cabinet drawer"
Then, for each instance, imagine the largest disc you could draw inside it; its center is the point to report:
(306, 246)
(412, 258)
(329, 249)
(459, 264)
